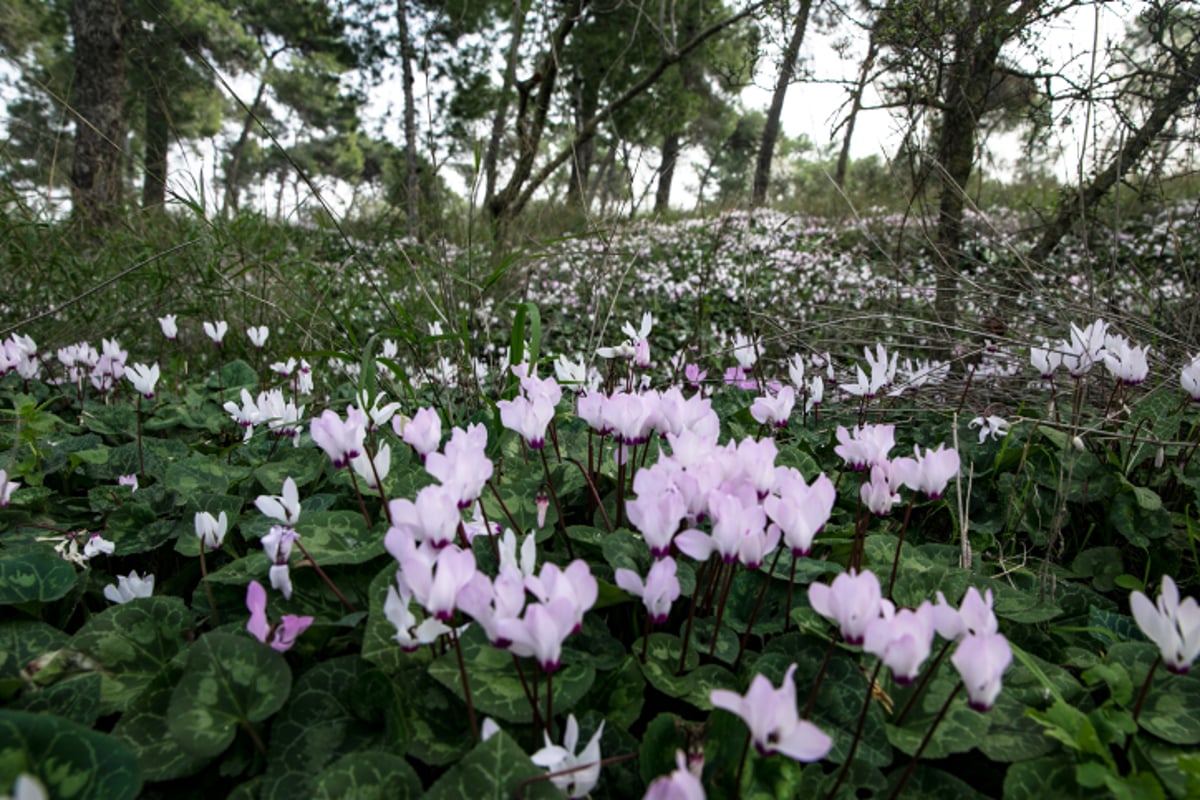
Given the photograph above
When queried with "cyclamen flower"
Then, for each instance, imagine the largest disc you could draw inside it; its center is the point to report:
(800, 510)
(284, 507)
(129, 587)
(1170, 624)
(540, 632)
(211, 530)
(1126, 362)
(774, 723)
(143, 378)
(992, 426)
(373, 471)
(433, 516)
(216, 331)
(527, 417)
(463, 467)
(934, 470)
(902, 639)
(97, 545)
(575, 584)
(1189, 378)
(409, 634)
(7, 488)
(854, 600)
(981, 661)
(282, 636)
(169, 328)
(767, 410)
(258, 335)
(341, 441)
(659, 591)
(879, 493)
(681, 784)
(556, 758)
(423, 432)
(1045, 360)
(865, 446)
(277, 544)
(130, 480)
(973, 617)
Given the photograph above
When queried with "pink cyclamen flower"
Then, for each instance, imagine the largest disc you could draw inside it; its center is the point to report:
(529, 418)
(1172, 625)
(768, 410)
(973, 617)
(423, 432)
(576, 584)
(433, 517)
(463, 466)
(934, 470)
(902, 639)
(540, 633)
(879, 493)
(281, 636)
(130, 480)
(800, 510)
(659, 591)
(341, 441)
(435, 580)
(774, 723)
(681, 784)
(657, 510)
(981, 661)
(865, 446)
(854, 600)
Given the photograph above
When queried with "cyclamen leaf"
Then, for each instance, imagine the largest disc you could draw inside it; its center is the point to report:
(229, 680)
(69, 759)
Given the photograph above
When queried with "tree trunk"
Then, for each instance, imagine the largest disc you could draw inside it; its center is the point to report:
(99, 99)
(412, 189)
(531, 122)
(1183, 84)
(766, 150)
(158, 141)
(968, 81)
(666, 172)
(864, 74)
(239, 147)
(492, 155)
(515, 197)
